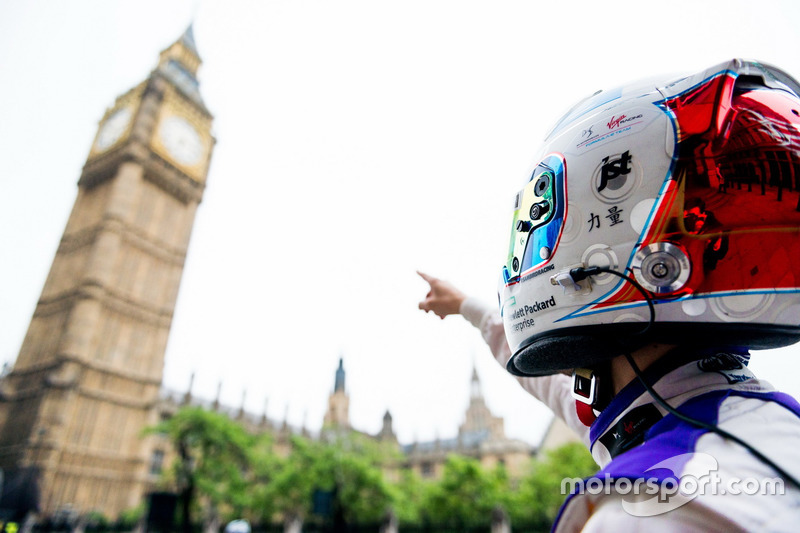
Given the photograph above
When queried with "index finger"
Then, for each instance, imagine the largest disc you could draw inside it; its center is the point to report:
(426, 277)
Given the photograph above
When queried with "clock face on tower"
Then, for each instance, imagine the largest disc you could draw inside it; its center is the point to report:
(113, 129)
(181, 140)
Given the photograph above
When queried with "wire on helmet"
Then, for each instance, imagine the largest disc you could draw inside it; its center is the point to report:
(581, 273)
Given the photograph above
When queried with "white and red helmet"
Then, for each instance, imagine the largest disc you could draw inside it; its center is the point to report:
(689, 186)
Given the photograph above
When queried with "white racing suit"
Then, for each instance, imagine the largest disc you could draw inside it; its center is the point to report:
(659, 473)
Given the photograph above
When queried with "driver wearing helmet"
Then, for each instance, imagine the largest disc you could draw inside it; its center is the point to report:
(656, 241)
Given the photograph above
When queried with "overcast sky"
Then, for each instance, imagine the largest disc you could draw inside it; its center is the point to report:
(357, 141)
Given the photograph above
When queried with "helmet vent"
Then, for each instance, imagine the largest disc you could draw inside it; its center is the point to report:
(661, 268)
(746, 83)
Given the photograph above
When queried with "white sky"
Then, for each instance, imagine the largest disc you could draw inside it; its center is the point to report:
(358, 141)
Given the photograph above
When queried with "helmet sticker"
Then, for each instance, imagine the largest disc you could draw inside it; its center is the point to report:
(614, 217)
(616, 178)
(613, 127)
(611, 170)
(603, 255)
(586, 106)
(538, 222)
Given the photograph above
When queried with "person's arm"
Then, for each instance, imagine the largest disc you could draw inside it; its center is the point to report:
(444, 299)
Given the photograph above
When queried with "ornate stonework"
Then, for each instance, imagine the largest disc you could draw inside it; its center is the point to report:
(481, 436)
(88, 375)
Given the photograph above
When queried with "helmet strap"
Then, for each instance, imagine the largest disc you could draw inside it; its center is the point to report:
(592, 391)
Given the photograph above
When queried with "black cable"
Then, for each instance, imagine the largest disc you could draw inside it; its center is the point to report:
(579, 274)
(708, 427)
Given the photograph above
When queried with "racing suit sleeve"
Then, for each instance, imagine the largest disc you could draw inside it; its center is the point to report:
(553, 390)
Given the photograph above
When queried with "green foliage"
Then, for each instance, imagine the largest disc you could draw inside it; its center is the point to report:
(538, 497)
(128, 518)
(292, 487)
(225, 471)
(466, 493)
(96, 520)
(347, 464)
(407, 496)
(264, 466)
(214, 457)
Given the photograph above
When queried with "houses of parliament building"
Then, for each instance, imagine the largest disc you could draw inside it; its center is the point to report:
(88, 377)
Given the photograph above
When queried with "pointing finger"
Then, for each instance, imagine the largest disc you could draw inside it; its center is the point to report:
(426, 277)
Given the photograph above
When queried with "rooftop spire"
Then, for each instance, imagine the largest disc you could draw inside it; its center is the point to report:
(339, 384)
(179, 63)
(182, 52)
(188, 39)
(475, 386)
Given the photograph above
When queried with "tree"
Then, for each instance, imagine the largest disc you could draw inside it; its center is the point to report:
(213, 459)
(466, 493)
(259, 505)
(407, 496)
(539, 496)
(345, 466)
(363, 493)
(292, 487)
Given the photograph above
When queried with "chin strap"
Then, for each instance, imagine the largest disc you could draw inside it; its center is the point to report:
(585, 413)
(589, 394)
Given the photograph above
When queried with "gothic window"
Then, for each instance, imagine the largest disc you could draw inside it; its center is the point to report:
(157, 462)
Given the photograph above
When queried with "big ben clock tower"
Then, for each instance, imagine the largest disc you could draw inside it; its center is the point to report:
(88, 374)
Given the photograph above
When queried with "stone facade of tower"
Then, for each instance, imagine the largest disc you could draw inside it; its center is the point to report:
(87, 378)
(478, 417)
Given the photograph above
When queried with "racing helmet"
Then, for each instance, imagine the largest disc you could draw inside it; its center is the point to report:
(662, 211)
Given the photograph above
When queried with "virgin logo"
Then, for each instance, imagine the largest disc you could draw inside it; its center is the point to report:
(615, 121)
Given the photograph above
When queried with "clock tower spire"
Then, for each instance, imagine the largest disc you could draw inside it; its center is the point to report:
(88, 375)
